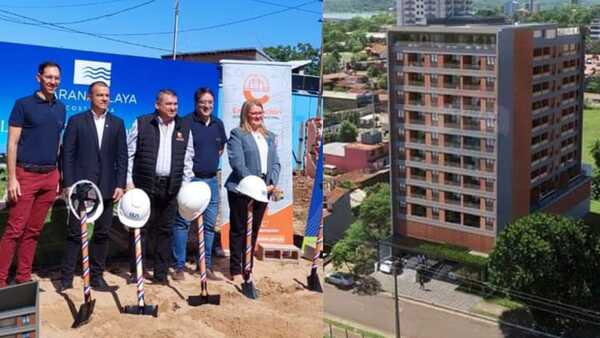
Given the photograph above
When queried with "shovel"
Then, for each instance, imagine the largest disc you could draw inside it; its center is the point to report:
(312, 281)
(141, 308)
(87, 308)
(204, 297)
(248, 288)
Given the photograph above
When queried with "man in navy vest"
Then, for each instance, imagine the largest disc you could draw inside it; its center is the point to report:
(209, 140)
(160, 159)
(95, 149)
(36, 122)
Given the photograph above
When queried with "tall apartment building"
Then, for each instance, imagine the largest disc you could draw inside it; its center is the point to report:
(416, 12)
(594, 29)
(485, 127)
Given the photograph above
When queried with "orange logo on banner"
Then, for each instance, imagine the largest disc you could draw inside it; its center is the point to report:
(256, 87)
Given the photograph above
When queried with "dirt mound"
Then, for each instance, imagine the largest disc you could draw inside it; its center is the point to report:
(284, 308)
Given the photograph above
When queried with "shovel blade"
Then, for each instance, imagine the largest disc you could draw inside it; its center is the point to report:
(204, 299)
(249, 290)
(313, 283)
(84, 314)
(147, 310)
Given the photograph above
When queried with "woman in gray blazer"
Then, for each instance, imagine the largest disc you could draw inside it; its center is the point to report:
(252, 150)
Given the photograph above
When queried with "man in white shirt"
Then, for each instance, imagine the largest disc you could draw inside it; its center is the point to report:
(95, 149)
(161, 150)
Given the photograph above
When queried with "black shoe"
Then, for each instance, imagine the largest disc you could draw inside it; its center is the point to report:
(65, 285)
(160, 280)
(99, 284)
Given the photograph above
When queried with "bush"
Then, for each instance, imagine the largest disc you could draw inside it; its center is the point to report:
(453, 253)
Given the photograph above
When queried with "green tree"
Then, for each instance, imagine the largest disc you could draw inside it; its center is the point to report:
(302, 51)
(347, 132)
(595, 150)
(552, 257)
(373, 71)
(331, 64)
(357, 250)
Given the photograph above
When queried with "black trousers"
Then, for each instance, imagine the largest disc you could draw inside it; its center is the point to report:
(163, 210)
(98, 246)
(238, 215)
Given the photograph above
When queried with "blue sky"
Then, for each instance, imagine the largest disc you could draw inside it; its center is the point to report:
(213, 24)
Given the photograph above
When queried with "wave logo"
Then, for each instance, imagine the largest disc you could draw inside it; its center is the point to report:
(88, 72)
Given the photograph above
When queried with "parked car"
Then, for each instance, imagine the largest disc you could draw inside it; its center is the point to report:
(340, 279)
(388, 263)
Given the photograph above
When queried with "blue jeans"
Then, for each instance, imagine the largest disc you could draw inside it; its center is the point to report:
(181, 227)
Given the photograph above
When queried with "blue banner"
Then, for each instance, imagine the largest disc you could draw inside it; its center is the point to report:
(134, 81)
(315, 211)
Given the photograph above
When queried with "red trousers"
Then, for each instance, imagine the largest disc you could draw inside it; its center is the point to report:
(26, 221)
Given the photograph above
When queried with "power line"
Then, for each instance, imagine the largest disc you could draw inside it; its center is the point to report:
(230, 23)
(284, 6)
(67, 6)
(108, 15)
(44, 24)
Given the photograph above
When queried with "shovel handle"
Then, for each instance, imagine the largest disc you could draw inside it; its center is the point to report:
(201, 249)
(248, 252)
(85, 259)
(138, 266)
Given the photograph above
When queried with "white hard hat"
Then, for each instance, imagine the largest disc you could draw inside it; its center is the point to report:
(192, 199)
(134, 209)
(253, 187)
(86, 192)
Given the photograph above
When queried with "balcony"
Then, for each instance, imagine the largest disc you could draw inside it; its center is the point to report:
(470, 166)
(418, 83)
(472, 205)
(472, 126)
(455, 164)
(474, 107)
(451, 64)
(415, 63)
(474, 186)
(416, 102)
(471, 86)
(475, 66)
(450, 85)
(449, 144)
(417, 159)
(452, 105)
(419, 196)
(453, 201)
(417, 121)
(418, 177)
(472, 146)
(420, 140)
(454, 125)
(490, 87)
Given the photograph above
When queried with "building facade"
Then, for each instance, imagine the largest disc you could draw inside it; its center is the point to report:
(485, 127)
(416, 12)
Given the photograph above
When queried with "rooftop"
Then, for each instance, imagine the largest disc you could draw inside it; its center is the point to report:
(335, 148)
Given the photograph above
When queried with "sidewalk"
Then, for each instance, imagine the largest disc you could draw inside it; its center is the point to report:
(437, 292)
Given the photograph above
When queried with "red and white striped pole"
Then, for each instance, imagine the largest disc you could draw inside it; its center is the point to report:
(138, 267)
(201, 253)
(248, 253)
(87, 294)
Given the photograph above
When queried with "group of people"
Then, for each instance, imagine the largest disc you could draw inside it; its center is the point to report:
(161, 152)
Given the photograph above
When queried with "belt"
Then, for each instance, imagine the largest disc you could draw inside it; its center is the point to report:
(204, 175)
(36, 168)
(162, 179)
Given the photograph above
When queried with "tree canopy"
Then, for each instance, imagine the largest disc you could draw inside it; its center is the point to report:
(553, 257)
(302, 51)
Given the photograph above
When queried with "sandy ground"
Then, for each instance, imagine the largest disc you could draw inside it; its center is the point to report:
(284, 309)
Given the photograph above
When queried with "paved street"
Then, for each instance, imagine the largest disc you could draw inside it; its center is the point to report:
(416, 320)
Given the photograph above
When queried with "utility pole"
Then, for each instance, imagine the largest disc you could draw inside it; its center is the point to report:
(396, 300)
(175, 29)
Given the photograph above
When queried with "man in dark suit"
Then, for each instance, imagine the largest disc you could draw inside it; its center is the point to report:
(94, 148)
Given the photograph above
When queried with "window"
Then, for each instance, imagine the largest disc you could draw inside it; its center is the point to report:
(435, 213)
(491, 60)
(550, 33)
(537, 34)
(435, 195)
(490, 124)
(399, 56)
(435, 138)
(434, 59)
(434, 120)
(434, 158)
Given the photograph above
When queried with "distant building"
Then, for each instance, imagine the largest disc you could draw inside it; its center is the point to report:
(355, 156)
(485, 127)
(215, 56)
(372, 136)
(417, 12)
(594, 28)
(510, 8)
(532, 6)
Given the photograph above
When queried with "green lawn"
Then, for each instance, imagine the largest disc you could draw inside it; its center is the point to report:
(591, 132)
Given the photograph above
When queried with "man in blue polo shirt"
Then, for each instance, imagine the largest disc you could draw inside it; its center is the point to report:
(209, 138)
(36, 122)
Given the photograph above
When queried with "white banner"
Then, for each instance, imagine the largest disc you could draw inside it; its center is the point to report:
(269, 82)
